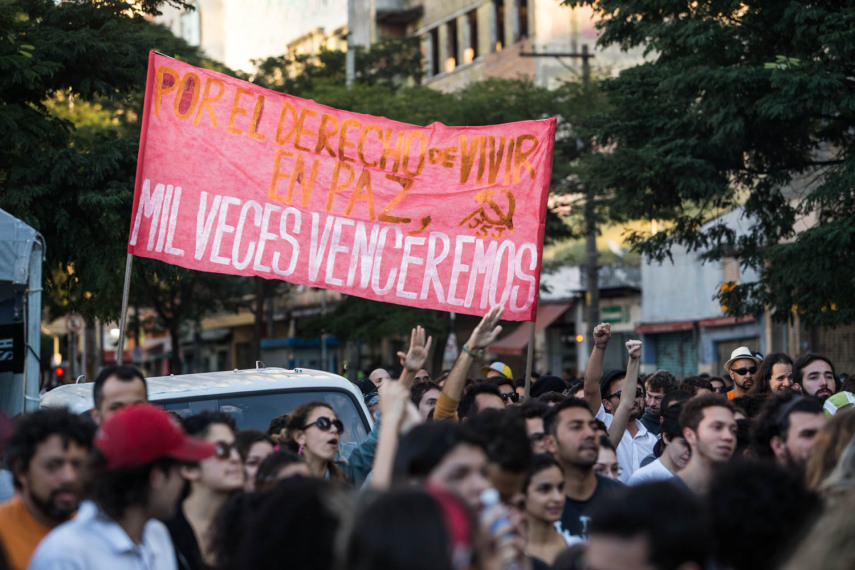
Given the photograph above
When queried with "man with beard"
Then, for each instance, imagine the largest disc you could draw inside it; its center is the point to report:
(785, 430)
(135, 482)
(572, 440)
(656, 386)
(741, 367)
(636, 441)
(815, 374)
(46, 455)
(709, 427)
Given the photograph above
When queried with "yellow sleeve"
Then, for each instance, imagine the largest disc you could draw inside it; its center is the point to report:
(446, 409)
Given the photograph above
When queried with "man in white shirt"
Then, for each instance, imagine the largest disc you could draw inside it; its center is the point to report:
(136, 481)
(603, 396)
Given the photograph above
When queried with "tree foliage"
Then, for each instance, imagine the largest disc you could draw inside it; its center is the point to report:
(73, 81)
(739, 105)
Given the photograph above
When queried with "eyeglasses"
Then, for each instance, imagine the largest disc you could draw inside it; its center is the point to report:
(744, 371)
(537, 436)
(224, 449)
(324, 423)
(638, 393)
(512, 396)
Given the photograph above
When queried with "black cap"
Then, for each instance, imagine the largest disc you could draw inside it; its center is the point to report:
(607, 380)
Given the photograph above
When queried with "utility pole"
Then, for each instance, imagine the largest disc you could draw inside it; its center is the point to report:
(592, 275)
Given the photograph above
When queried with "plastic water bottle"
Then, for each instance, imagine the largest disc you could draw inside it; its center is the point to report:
(490, 500)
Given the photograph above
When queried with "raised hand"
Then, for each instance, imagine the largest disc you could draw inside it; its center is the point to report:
(417, 354)
(487, 330)
(633, 348)
(602, 334)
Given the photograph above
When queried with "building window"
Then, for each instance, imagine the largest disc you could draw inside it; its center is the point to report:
(471, 51)
(521, 32)
(190, 25)
(498, 39)
(433, 52)
(453, 47)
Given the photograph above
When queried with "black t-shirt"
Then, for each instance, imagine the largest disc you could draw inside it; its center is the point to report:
(574, 519)
(187, 553)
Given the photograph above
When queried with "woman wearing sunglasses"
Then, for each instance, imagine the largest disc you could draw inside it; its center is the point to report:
(210, 483)
(314, 431)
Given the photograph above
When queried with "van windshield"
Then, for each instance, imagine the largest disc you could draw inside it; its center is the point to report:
(254, 411)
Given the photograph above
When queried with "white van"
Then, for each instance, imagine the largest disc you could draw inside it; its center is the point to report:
(252, 397)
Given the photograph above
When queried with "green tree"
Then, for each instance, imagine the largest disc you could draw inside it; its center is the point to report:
(70, 99)
(746, 106)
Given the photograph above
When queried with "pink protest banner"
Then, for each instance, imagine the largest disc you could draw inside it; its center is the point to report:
(234, 178)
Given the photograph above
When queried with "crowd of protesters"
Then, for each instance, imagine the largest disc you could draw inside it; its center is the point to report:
(754, 469)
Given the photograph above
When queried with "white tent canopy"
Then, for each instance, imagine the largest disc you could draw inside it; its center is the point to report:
(21, 255)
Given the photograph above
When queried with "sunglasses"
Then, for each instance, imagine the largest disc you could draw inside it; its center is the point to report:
(638, 393)
(718, 389)
(324, 423)
(744, 371)
(537, 436)
(512, 396)
(224, 450)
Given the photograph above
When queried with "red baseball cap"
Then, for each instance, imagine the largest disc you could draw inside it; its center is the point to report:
(140, 434)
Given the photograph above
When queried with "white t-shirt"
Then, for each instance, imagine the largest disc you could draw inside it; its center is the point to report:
(653, 471)
(631, 450)
(93, 540)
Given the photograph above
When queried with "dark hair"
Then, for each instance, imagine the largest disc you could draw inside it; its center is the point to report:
(691, 385)
(553, 397)
(530, 409)
(246, 438)
(390, 529)
(774, 420)
(423, 448)
(277, 425)
(847, 383)
(661, 381)
(199, 424)
(125, 373)
(693, 410)
(115, 490)
(539, 462)
(468, 406)
(550, 420)
(806, 359)
(270, 466)
(679, 537)
(548, 384)
(750, 404)
(673, 396)
(35, 428)
(421, 388)
(505, 439)
(302, 512)
(757, 509)
(606, 443)
(764, 373)
(502, 381)
(670, 425)
(228, 529)
(575, 386)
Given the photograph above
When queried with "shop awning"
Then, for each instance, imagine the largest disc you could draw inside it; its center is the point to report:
(515, 342)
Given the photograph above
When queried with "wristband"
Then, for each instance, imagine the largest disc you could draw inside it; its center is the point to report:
(473, 353)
